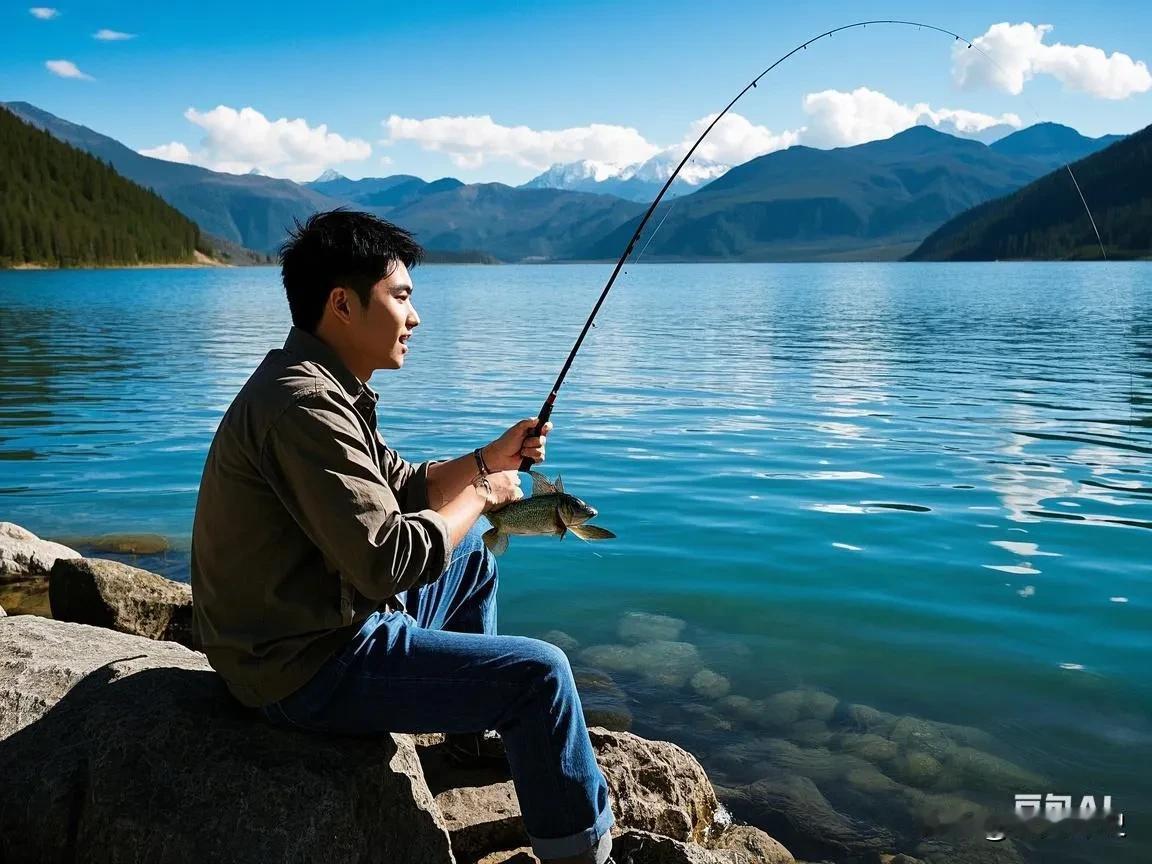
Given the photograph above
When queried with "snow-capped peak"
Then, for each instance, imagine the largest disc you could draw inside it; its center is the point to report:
(328, 176)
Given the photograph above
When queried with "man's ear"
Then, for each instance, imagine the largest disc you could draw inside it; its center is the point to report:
(340, 304)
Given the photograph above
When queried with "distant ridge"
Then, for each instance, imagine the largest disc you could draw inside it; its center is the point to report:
(1046, 219)
(249, 210)
(61, 207)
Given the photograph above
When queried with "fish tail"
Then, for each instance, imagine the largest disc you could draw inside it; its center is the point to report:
(495, 540)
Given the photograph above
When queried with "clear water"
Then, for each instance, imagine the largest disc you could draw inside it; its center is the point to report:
(924, 488)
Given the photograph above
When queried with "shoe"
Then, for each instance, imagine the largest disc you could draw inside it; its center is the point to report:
(476, 750)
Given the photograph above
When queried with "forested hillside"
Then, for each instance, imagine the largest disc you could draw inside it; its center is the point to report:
(1047, 220)
(61, 207)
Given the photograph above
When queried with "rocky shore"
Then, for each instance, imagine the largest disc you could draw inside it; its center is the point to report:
(119, 742)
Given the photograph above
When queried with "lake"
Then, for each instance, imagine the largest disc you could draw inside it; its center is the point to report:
(924, 489)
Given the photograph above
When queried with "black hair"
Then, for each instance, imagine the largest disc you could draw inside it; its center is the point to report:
(340, 248)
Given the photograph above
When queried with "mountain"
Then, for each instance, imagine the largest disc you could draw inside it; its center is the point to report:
(1052, 144)
(639, 182)
(874, 200)
(1047, 220)
(61, 207)
(250, 210)
(511, 224)
(341, 187)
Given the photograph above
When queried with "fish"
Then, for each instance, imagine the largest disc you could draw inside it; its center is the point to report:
(549, 510)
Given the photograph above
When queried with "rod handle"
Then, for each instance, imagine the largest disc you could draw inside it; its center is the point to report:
(545, 412)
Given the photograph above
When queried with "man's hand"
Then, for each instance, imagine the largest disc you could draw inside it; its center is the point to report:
(505, 488)
(506, 452)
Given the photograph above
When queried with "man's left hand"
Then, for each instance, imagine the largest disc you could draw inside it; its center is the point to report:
(506, 452)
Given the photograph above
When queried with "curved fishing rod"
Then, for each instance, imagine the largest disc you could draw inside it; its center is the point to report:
(546, 409)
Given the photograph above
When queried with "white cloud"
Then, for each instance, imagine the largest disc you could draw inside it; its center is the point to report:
(106, 35)
(1019, 54)
(839, 119)
(238, 141)
(66, 69)
(44, 13)
(735, 139)
(470, 141)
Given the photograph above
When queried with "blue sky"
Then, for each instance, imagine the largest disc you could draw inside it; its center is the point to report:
(613, 83)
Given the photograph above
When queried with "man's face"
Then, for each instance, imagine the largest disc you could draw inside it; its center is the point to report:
(379, 331)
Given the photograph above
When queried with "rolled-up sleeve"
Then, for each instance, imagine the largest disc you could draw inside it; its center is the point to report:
(318, 461)
(409, 479)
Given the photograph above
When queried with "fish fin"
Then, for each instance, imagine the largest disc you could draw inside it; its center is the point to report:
(559, 484)
(496, 541)
(541, 485)
(591, 532)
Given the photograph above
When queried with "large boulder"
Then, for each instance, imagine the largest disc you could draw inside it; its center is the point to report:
(119, 748)
(114, 595)
(754, 842)
(23, 554)
(643, 847)
(656, 786)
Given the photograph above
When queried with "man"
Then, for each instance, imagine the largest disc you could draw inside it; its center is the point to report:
(338, 588)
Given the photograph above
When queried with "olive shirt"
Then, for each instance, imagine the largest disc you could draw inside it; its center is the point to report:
(306, 523)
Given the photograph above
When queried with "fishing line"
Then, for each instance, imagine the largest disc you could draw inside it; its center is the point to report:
(546, 409)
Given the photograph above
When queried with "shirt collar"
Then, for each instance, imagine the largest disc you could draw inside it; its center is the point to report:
(305, 346)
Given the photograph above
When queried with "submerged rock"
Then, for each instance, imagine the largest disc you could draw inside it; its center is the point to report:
(119, 748)
(709, 684)
(114, 595)
(561, 640)
(23, 554)
(669, 664)
(636, 627)
(974, 769)
(792, 809)
(916, 768)
(874, 748)
(613, 658)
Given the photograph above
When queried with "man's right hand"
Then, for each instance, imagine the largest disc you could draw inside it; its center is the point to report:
(505, 486)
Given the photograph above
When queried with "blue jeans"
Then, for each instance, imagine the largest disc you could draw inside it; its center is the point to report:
(440, 667)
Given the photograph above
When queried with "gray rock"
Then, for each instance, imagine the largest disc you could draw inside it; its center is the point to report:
(114, 595)
(23, 554)
(753, 842)
(119, 748)
(656, 786)
(637, 627)
(791, 809)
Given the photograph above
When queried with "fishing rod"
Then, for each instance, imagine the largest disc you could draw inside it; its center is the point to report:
(546, 409)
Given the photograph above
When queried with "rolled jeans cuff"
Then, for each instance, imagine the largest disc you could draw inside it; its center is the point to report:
(576, 844)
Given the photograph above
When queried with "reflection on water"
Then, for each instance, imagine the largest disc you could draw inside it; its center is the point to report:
(916, 490)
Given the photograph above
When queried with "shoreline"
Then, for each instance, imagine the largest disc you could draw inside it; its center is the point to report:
(199, 262)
